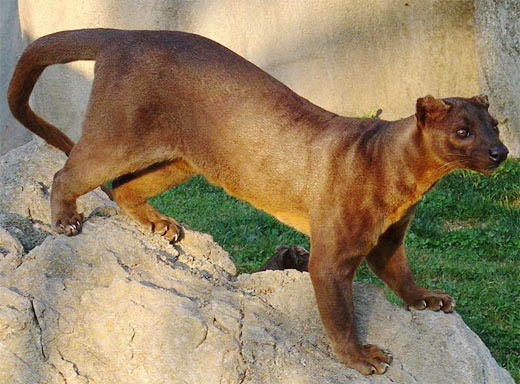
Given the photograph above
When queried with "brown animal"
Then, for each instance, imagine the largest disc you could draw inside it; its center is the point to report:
(166, 106)
(285, 257)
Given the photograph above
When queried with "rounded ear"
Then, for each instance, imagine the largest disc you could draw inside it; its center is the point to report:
(430, 107)
(289, 258)
(481, 99)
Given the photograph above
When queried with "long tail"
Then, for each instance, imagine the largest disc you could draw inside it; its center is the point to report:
(58, 48)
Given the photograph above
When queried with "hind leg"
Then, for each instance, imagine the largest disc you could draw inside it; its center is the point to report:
(132, 191)
(82, 173)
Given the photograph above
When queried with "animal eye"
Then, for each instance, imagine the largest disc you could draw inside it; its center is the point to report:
(463, 132)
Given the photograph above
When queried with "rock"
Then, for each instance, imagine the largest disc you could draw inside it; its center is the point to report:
(117, 305)
(30, 233)
(497, 43)
(10, 251)
(26, 175)
(9, 244)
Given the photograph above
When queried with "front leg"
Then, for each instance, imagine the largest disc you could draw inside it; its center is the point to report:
(332, 267)
(388, 261)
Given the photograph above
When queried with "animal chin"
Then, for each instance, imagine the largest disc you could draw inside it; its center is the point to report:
(483, 167)
(488, 169)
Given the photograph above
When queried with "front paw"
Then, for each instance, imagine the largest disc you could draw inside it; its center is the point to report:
(367, 359)
(431, 299)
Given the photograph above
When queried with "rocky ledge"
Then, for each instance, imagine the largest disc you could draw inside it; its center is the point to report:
(117, 305)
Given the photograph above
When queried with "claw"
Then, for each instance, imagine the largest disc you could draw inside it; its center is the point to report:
(163, 231)
(386, 367)
(389, 354)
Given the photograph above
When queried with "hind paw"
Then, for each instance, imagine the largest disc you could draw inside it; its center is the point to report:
(70, 225)
(167, 228)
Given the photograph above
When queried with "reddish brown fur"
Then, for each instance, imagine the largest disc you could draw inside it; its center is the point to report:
(169, 105)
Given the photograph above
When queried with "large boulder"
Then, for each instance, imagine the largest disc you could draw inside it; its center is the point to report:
(118, 305)
(26, 175)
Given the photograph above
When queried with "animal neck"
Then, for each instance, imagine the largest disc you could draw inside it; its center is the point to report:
(415, 168)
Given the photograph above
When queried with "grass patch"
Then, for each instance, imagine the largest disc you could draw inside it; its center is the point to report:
(465, 239)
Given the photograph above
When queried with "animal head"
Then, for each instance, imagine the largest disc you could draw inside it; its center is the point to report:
(461, 133)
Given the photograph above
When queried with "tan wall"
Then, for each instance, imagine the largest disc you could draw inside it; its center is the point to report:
(347, 56)
(12, 134)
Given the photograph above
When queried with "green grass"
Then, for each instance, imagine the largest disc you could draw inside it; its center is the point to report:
(465, 239)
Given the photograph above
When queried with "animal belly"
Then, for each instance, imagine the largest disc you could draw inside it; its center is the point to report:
(297, 221)
(293, 215)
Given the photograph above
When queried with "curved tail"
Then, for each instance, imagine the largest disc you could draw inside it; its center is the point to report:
(58, 48)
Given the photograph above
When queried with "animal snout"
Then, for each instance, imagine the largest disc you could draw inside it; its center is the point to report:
(498, 154)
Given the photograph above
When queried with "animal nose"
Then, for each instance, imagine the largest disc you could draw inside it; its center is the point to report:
(498, 154)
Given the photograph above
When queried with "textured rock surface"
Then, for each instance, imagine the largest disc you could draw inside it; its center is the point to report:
(497, 38)
(26, 175)
(116, 305)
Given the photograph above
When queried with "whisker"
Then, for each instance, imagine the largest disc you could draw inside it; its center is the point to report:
(447, 166)
(458, 155)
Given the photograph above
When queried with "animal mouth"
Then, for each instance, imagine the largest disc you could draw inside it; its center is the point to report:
(489, 169)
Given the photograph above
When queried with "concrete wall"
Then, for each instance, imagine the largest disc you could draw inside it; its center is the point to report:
(497, 31)
(12, 134)
(347, 56)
